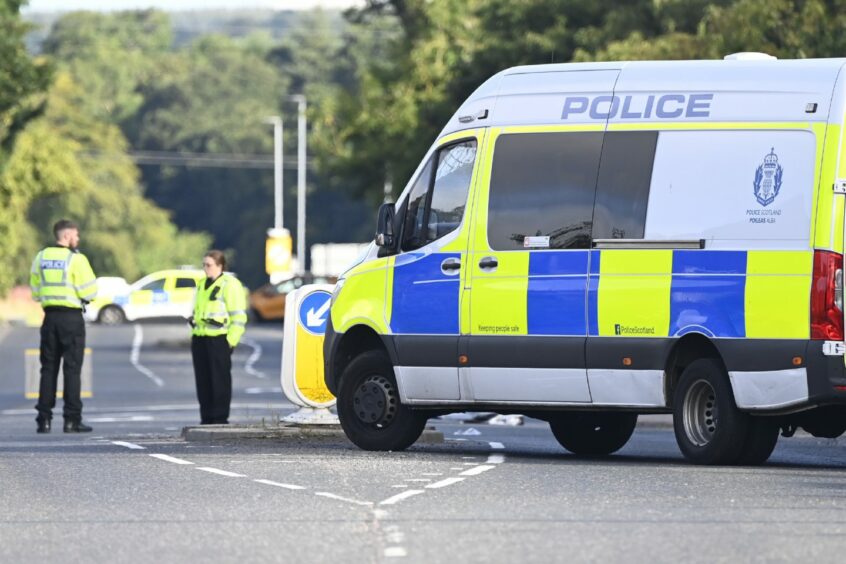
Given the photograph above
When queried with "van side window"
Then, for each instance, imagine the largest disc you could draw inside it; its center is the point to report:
(436, 212)
(543, 185)
(622, 192)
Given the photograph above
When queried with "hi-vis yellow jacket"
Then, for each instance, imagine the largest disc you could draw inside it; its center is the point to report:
(61, 277)
(221, 309)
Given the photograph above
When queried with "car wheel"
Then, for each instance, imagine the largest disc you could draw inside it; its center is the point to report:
(592, 432)
(369, 406)
(708, 426)
(111, 315)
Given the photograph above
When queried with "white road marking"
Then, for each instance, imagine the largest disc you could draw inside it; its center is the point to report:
(255, 391)
(400, 486)
(445, 483)
(457, 440)
(137, 341)
(128, 445)
(278, 485)
(497, 446)
(254, 357)
(495, 459)
(477, 470)
(431, 473)
(459, 468)
(170, 407)
(221, 472)
(167, 458)
(120, 419)
(400, 496)
(339, 498)
(395, 552)
(469, 457)
(418, 479)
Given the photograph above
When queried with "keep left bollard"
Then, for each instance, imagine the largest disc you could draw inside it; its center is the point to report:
(306, 314)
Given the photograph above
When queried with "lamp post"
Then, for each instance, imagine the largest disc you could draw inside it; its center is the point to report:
(301, 179)
(278, 202)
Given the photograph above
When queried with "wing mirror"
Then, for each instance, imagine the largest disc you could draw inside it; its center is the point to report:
(385, 226)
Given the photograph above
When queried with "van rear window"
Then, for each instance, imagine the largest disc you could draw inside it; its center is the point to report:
(542, 190)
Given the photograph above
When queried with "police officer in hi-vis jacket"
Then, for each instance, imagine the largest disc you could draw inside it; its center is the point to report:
(62, 282)
(219, 321)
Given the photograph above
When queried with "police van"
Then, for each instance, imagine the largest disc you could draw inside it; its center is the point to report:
(588, 242)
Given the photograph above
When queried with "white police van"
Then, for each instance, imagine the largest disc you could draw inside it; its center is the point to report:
(589, 242)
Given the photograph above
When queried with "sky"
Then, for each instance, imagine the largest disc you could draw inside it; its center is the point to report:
(181, 5)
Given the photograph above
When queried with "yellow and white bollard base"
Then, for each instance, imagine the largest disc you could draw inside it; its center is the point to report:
(306, 314)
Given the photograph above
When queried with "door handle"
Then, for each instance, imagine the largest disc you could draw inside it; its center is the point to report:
(488, 264)
(451, 266)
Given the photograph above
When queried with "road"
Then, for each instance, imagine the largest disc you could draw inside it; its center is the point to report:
(133, 491)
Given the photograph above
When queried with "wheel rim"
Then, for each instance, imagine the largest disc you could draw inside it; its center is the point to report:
(375, 401)
(111, 316)
(700, 413)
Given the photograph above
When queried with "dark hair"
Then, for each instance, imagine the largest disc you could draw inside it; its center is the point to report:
(62, 225)
(218, 257)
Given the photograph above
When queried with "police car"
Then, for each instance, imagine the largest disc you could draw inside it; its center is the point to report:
(590, 242)
(166, 293)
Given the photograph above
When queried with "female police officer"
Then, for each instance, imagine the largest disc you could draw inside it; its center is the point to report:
(218, 323)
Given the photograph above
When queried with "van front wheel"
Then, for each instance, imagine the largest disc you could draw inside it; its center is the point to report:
(593, 433)
(369, 406)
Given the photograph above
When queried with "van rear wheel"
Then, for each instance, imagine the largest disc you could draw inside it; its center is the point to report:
(708, 426)
(760, 441)
(369, 406)
(593, 433)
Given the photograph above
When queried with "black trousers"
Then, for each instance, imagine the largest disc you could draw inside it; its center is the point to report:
(213, 375)
(62, 339)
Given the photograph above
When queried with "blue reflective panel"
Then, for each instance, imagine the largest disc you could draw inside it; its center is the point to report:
(425, 300)
(160, 297)
(556, 295)
(713, 305)
(709, 262)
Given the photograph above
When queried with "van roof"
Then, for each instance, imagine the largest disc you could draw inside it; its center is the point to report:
(749, 90)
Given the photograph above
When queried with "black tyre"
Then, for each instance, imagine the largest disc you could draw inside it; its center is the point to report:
(369, 406)
(593, 433)
(111, 315)
(760, 441)
(708, 426)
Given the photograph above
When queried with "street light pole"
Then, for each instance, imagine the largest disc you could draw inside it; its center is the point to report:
(278, 201)
(301, 180)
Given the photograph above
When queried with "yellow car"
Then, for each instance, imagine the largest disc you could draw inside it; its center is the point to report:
(166, 293)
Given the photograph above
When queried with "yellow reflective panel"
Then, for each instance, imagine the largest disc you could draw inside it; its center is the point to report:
(778, 289)
(634, 293)
(362, 299)
(498, 304)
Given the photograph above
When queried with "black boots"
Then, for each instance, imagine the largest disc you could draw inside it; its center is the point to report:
(72, 426)
(43, 425)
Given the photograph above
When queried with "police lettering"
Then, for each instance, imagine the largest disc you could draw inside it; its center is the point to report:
(666, 106)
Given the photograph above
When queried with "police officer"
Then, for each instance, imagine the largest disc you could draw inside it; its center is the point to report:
(63, 282)
(219, 321)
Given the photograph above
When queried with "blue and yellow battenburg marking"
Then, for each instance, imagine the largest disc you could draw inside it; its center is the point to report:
(723, 294)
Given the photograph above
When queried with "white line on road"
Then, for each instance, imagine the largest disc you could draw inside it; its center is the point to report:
(339, 498)
(221, 472)
(418, 479)
(128, 445)
(121, 419)
(279, 485)
(395, 552)
(163, 407)
(497, 446)
(400, 496)
(167, 458)
(477, 470)
(254, 357)
(136, 354)
(495, 459)
(445, 483)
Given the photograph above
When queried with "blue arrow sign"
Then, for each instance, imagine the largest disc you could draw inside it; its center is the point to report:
(314, 311)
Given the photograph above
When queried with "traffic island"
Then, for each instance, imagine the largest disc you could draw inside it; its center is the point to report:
(282, 432)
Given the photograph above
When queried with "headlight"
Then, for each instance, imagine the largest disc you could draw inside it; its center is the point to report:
(337, 290)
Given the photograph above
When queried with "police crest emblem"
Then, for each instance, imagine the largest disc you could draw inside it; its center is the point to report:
(768, 177)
